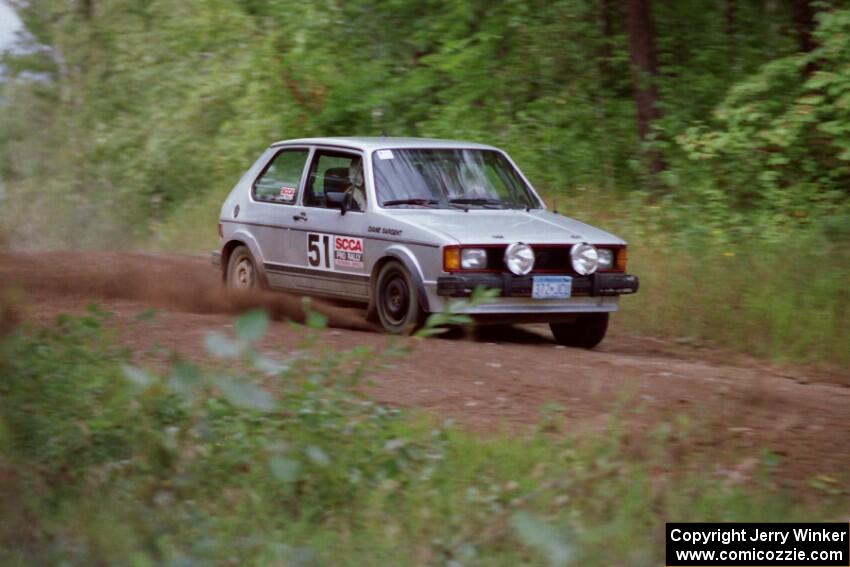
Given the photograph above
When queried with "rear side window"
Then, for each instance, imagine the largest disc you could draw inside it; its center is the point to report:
(281, 179)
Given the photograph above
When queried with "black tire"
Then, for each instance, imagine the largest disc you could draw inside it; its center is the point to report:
(396, 301)
(242, 273)
(586, 331)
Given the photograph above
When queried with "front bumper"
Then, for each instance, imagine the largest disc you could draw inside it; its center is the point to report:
(596, 285)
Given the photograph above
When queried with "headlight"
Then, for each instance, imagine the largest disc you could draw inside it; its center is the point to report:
(473, 259)
(606, 258)
(519, 258)
(585, 258)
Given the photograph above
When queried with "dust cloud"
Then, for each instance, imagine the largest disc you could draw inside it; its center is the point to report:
(180, 283)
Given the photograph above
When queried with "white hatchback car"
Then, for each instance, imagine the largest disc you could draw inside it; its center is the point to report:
(404, 225)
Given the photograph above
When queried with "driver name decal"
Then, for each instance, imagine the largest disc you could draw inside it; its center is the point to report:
(348, 252)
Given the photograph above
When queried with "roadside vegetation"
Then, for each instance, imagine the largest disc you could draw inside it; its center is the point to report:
(713, 136)
(255, 460)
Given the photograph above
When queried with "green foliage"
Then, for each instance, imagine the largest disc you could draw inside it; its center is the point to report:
(439, 323)
(538, 535)
(152, 111)
(779, 142)
(67, 417)
(251, 461)
(782, 300)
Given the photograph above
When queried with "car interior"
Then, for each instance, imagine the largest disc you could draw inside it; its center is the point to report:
(329, 174)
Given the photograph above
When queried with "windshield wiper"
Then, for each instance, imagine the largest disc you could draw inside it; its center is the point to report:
(421, 202)
(471, 201)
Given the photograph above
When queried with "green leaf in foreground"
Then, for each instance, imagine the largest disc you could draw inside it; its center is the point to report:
(285, 470)
(246, 395)
(220, 346)
(312, 318)
(252, 326)
(316, 320)
(137, 376)
(318, 456)
(542, 537)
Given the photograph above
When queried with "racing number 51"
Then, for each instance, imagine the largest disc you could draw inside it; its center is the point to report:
(319, 255)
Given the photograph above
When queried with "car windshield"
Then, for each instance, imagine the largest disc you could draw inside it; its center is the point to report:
(443, 178)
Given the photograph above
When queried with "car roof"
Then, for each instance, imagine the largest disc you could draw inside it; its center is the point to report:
(371, 143)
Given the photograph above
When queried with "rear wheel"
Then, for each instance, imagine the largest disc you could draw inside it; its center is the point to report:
(242, 274)
(586, 331)
(396, 302)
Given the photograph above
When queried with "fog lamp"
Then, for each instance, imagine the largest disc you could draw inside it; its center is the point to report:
(519, 258)
(585, 258)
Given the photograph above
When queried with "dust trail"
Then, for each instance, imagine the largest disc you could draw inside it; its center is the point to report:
(10, 315)
(181, 283)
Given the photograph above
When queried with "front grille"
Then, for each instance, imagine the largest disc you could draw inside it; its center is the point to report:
(547, 259)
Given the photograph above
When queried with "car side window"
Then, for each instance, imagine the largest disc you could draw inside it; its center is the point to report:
(279, 181)
(335, 172)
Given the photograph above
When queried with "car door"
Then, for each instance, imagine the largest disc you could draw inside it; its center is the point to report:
(275, 194)
(330, 246)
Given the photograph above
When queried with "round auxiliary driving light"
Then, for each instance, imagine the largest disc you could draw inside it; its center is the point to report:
(585, 258)
(519, 258)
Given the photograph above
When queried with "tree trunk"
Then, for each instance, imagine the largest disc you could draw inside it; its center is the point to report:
(730, 9)
(644, 73)
(87, 9)
(606, 86)
(606, 47)
(804, 24)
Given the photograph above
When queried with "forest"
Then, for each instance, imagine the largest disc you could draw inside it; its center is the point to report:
(124, 112)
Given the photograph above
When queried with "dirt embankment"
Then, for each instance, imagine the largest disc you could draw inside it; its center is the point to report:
(736, 407)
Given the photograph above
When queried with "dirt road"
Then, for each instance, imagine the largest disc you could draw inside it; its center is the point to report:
(736, 406)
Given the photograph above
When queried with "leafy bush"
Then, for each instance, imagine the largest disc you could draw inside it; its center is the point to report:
(61, 406)
(779, 144)
(254, 461)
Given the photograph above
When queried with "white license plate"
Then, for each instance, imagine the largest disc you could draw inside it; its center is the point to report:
(551, 287)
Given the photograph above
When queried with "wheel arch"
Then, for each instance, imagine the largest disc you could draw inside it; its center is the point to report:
(226, 251)
(406, 259)
(246, 240)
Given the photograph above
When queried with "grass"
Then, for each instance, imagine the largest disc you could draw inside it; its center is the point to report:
(757, 299)
(255, 462)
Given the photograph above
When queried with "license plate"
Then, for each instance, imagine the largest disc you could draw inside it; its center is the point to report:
(551, 287)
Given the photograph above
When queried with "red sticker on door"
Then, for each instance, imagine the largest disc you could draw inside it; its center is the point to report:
(287, 193)
(348, 252)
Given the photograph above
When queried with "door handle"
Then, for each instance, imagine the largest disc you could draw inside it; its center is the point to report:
(299, 217)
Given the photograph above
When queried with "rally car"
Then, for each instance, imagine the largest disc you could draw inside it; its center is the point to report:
(403, 226)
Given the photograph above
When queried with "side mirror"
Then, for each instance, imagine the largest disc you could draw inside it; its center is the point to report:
(339, 200)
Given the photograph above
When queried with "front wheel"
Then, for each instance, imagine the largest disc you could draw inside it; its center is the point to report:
(396, 302)
(586, 331)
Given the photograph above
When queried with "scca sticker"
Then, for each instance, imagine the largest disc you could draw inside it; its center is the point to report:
(348, 252)
(287, 193)
(330, 252)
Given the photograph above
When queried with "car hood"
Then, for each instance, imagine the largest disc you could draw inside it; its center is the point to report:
(504, 226)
